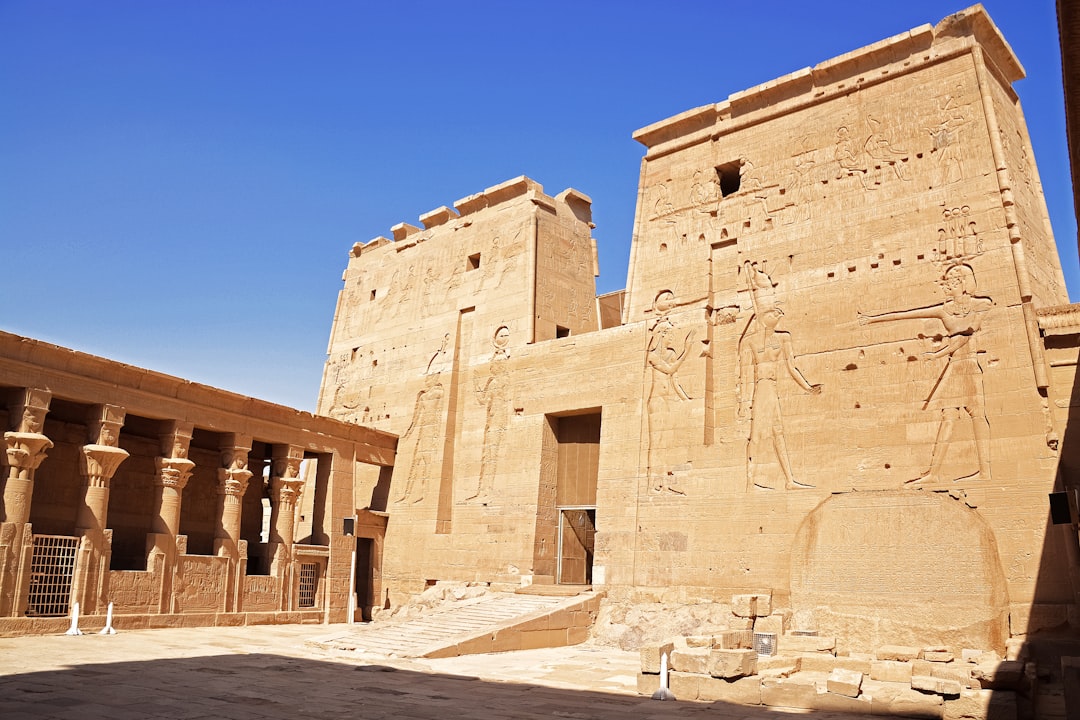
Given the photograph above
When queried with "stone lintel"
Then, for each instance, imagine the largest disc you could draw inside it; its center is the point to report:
(403, 230)
(438, 216)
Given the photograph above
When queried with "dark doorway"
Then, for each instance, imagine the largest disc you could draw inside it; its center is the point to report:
(365, 585)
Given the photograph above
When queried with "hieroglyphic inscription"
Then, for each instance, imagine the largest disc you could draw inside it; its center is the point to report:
(201, 583)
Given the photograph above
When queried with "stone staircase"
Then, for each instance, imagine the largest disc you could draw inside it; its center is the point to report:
(497, 622)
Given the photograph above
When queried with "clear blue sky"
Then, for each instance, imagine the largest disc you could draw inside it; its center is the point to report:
(181, 180)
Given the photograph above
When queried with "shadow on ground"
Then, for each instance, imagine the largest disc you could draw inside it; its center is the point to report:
(252, 686)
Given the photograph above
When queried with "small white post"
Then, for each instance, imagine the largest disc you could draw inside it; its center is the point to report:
(663, 693)
(74, 629)
(108, 629)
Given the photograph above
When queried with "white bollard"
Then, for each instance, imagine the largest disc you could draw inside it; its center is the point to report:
(663, 693)
(108, 629)
(74, 629)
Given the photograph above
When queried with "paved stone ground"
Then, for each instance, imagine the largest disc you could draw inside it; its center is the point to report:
(273, 672)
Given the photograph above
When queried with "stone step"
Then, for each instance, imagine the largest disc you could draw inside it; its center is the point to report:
(474, 627)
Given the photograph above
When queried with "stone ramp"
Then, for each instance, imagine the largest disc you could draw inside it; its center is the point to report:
(494, 623)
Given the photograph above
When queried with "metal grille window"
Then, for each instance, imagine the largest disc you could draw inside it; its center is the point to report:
(765, 643)
(309, 573)
(52, 567)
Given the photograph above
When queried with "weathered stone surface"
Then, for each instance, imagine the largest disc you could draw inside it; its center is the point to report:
(908, 703)
(651, 654)
(958, 672)
(686, 685)
(806, 643)
(743, 691)
(731, 664)
(1003, 675)
(900, 653)
(891, 671)
(937, 654)
(752, 606)
(774, 623)
(981, 705)
(845, 682)
(647, 684)
(691, 660)
(941, 686)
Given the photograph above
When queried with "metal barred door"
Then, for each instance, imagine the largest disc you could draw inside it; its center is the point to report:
(52, 568)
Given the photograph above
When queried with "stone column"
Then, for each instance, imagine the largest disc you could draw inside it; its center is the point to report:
(25, 450)
(101, 456)
(25, 447)
(285, 484)
(233, 479)
(173, 472)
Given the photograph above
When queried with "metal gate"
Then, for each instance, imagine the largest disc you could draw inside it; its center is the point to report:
(52, 568)
(309, 574)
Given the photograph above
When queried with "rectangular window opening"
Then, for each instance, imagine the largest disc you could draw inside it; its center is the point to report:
(729, 175)
(561, 332)
(473, 262)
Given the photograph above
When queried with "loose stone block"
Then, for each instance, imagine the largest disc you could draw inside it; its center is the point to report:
(772, 624)
(981, 705)
(910, 703)
(684, 685)
(743, 691)
(1004, 675)
(940, 686)
(937, 654)
(691, 660)
(650, 655)
(732, 663)
(956, 672)
(845, 682)
(647, 683)
(752, 606)
(900, 653)
(734, 639)
(891, 671)
(793, 692)
(806, 643)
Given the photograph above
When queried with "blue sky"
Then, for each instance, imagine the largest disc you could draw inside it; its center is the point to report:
(181, 181)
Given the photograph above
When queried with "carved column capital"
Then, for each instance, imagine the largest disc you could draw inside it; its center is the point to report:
(173, 472)
(285, 490)
(25, 451)
(233, 483)
(100, 463)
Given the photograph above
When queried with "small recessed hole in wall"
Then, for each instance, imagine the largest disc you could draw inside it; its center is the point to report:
(730, 175)
(473, 262)
(873, 266)
(663, 247)
(911, 358)
(851, 366)
(746, 224)
(919, 257)
(888, 466)
(918, 155)
(519, 411)
(857, 406)
(831, 274)
(561, 332)
(374, 362)
(862, 354)
(880, 256)
(851, 268)
(896, 261)
(430, 583)
(825, 182)
(372, 294)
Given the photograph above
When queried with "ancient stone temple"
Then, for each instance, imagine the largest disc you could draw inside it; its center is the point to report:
(835, 389)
